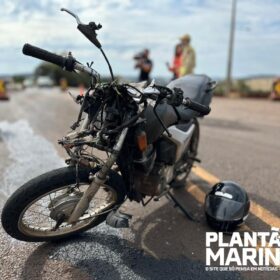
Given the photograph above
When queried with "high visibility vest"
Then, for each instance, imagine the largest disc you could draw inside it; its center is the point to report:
(188, 61)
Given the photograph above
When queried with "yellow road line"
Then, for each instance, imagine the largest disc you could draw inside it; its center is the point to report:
(205, 175)
(196, 192)
(257, 210)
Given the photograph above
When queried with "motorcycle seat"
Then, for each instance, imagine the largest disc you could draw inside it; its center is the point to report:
(197, 88)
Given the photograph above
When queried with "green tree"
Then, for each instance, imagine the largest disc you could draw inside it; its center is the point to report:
(56, 73)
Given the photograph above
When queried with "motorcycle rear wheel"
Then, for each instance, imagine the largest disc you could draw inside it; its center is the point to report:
(49, 195)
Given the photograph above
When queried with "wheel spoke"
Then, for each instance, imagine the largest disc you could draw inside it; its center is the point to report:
(36, 218)
(51, 203)
(39, 213)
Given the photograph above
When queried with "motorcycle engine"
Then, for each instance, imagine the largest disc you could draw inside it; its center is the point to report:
(155, 182)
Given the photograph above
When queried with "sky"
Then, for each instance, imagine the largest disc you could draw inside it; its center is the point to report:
(131, 25)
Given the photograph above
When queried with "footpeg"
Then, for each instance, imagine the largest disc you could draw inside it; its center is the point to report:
(118, 219)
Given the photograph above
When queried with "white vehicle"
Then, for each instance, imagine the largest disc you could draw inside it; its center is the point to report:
(44, 81)
(28, 82)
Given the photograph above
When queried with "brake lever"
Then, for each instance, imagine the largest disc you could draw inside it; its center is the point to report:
(89, 30)
(72, 14)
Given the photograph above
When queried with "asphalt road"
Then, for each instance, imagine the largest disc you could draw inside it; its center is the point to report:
(239, 142)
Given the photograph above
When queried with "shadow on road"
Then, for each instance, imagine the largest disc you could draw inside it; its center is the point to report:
(176, 248)
(125, 260)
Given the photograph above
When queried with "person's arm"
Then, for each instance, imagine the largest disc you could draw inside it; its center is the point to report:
(171, 69)
(138, 65)
(146, 66)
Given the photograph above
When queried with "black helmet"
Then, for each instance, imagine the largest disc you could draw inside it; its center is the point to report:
(226, 206)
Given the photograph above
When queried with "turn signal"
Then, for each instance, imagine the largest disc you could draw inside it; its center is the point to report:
(142, 141)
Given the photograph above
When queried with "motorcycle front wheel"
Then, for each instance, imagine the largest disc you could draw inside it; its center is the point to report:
(37, 211)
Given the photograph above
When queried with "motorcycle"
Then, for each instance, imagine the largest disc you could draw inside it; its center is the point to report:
(149, 134)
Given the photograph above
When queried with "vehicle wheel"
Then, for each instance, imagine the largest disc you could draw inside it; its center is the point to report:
(185, 165)
(34, 212)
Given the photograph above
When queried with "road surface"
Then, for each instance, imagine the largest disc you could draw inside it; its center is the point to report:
(239, 142)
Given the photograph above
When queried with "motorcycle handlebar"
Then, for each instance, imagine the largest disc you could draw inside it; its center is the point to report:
(175, 98)
(67, 63)
(64, 62)
(202, 109)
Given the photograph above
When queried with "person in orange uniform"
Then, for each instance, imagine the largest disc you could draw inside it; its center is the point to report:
(177, 62)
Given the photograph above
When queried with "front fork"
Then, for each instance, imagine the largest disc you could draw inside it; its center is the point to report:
(98, 180)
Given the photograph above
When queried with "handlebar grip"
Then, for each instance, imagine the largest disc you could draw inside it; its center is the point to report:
(202, 109)
(44, 55)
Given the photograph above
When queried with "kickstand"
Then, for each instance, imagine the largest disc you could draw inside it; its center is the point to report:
(177, 204)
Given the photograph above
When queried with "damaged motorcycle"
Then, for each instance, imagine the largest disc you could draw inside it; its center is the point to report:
(132, 141)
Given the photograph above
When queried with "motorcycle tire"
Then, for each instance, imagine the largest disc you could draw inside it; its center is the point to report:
(30, 192)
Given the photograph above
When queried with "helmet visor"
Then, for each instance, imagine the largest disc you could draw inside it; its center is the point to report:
(224, 209)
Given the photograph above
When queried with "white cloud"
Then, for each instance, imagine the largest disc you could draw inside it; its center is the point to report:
(129, 26)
